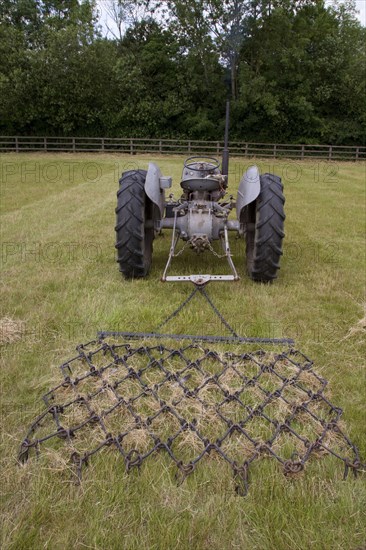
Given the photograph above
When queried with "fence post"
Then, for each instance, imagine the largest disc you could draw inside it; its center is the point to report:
(189, 147)
(330, 152)
(160, 147)
(302, 152)
(73, 145)
(102, 144)
(274, 150)
(131, 146)
(16, 145)
(357, 152)
(246, 150)
(45, 144)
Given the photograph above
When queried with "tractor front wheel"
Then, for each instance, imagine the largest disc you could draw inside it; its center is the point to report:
(263, 221)
(134, 225)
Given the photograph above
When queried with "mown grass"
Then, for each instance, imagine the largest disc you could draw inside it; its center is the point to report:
(60, 283)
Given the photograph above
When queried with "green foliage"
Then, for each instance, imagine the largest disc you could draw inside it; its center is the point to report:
(295, 70)
(306, 78)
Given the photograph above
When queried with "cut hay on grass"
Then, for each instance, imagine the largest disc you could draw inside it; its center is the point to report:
(10, 330)
(359, 329)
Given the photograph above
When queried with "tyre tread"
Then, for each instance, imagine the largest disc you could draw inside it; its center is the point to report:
(265, 247)
(130, 230)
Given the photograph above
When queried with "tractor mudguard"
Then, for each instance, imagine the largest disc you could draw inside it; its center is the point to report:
(249, 189)
(154, 186)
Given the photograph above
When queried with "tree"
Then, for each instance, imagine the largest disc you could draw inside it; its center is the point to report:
(44, 46)
(210, 26)
(123, 13)
(296, 70)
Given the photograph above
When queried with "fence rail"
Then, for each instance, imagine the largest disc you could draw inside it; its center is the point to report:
(179, 146)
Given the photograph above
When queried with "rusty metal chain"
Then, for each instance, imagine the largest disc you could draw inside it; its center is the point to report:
(211, 249)
(204, 293)
(179, 308)
(219, 315)
(186, 244)
(139, 400)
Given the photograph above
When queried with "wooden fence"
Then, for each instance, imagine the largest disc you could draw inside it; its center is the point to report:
(175, 146)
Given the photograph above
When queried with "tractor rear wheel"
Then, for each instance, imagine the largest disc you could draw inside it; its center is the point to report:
(263, 221)
(134, 226)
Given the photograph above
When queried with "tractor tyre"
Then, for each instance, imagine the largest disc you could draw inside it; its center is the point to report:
(263, 221)
(134, 236)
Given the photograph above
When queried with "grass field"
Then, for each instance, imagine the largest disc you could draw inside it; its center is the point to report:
(60, 285)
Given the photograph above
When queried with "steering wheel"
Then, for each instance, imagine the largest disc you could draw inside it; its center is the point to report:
(201, 160)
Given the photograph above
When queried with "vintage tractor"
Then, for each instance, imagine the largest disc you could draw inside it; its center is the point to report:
(200, 217)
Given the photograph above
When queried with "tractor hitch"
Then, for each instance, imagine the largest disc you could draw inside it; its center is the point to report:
(198, 280)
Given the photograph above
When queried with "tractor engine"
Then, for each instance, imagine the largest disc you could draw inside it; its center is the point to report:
(200, 218)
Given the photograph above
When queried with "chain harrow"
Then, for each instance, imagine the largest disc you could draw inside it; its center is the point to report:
(190, 403)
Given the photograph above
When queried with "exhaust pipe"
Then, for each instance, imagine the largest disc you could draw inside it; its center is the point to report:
(225, 152)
